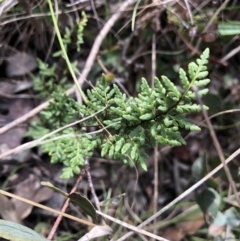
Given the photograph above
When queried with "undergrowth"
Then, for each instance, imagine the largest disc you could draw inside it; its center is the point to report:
(123, 127)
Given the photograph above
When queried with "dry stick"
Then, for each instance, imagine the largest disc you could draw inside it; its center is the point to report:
(228, 228)
(129, 226)
(230, 54)
(90, 183)
(36, 15)
(156, 154)
(183, 195)
(63, 210)
(155, 194)
(8, 194)
(218, 147)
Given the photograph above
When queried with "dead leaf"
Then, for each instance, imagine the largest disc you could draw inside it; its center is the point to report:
(7, 210)
(183, 229)
(30, 189)
(20, 64)
(42, 195)
(9, 111)
(85, 204)
(97, 231)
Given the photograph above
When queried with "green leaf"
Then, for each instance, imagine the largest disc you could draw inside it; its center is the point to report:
(167, 122)
(67, 173)
(85, 204)
(162, 108)
(130, 118)
(119, 144)
(229, 28)
(220, 220)
(209, 201)
(202, 92)
(17, 232)
(111, 151)
(105, 148)
(202, 83)
(125, 148)
(117, 110)
(76, 170)
(199, 167)
(143, 166)
(183, 78)
(147, 116)
(202, 75)
(204, 56)
(133, 152)
(159, 87)
(171, 88)
(233, 217)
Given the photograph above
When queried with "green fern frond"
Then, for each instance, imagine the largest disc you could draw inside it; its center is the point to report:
(155, 117)
(172, 90)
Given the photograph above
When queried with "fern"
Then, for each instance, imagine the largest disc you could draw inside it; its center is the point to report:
(70, 35)
(155, 116)
(47, 81)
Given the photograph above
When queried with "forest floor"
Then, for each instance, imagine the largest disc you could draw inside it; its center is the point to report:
(126, 40)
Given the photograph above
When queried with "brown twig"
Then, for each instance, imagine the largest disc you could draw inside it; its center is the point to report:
(95, 198)
(59, 218)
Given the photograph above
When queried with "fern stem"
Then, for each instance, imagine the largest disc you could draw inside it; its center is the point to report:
(65, 53)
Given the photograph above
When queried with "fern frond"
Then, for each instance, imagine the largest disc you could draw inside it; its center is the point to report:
(172, 90)
(155, 116)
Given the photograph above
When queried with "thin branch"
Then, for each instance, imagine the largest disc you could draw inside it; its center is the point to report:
(230, 54)
(129, 226)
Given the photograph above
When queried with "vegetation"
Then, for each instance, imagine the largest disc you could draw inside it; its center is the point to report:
(113, 119)
(128, 125)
